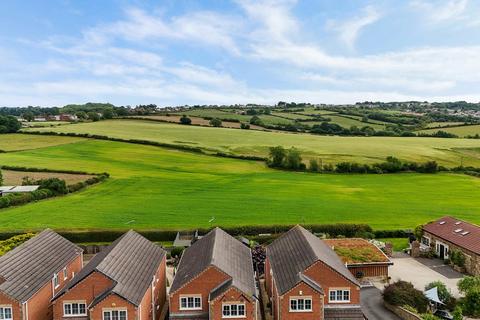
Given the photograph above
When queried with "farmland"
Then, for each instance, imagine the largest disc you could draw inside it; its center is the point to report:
(448, 152)
(155, 188)
(461, 131)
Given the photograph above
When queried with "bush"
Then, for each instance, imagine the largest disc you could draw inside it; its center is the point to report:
(403, 293)
(57, 186)
(176, 251)
(13, 242)
(457, 258)
(185, 120)
(443, 293)
(215, 122)
(245, 126)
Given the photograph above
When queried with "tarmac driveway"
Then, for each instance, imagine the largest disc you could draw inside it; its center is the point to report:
(372, 305)
(422, 271)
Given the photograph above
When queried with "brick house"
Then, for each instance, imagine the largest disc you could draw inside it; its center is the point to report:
(448, 234)
(32, 273)
(126, 281)
(214, 280)
(306, 280)
(364, 259)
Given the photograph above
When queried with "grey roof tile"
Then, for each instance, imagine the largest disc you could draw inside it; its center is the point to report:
(31, 265)
(131, 261)
(295, 251)
(223, 251)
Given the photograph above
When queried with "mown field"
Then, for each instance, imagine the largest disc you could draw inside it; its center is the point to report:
(333, 149)
(155, 188)
(461, 131)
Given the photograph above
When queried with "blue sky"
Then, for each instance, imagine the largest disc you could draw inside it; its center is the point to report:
(177, 52)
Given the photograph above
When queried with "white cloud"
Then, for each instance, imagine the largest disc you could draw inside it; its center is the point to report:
(351, 29)
(441, 10)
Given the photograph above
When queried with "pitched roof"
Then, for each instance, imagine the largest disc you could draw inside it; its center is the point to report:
(223, 251)
(357, 251)
(458, 232)
(131, 261)
(27, 268)
(295, 251)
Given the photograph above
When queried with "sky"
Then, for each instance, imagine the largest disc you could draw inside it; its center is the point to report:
(176, 52)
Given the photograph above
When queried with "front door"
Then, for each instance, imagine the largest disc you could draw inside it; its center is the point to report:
(442, 251)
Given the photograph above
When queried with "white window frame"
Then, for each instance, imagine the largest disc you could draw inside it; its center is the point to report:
(296, 299)
(7, 307)
(56, 281)
(65, 274)
(110, 310)
(71, 314)
(193, 297)
(427, 240)
(336, 298)
(236, 304)
(446, 249)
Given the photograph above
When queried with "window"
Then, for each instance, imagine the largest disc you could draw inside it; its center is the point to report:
(115, 314)
(55, 280)
(65, 275)
(191, 303)
(6, 313)
(300, 304)
(426, 241)
(339, 296)
(74, 309)
(233, 310)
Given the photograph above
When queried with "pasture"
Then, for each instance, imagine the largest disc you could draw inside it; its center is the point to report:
(14, 142)
(461, 131)
(155, 188)
(329, 149)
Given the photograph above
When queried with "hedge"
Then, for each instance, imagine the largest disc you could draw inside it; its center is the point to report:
(241, 157)
(27, 169)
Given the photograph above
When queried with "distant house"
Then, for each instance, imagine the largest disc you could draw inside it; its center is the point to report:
(4, 190)
(362, 258)
(126, 281)
(214, 280)
(67, 117)
(307, 280)
(40, 119)
(448, 234)
(185, 239)
(32, 273)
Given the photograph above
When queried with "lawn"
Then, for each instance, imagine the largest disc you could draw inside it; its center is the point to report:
(15, 142)
(461, 131)
(151, 187)
(448, 152)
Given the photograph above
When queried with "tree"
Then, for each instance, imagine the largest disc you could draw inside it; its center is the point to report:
(277, 156)
(470, 287)
(93, 116)
(215, 122)
(9, 124)
(245, 126)
(57, 186)
(185, 120)
(468, 283)
(256, 121)
(457, 313)
(108, 114)
(443, 292)
(314, 165)
(293, 159)
(403, 293)
(29, 116)
(82, 115)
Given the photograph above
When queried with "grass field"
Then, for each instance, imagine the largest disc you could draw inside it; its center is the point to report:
(462, 131)
(152, 187)
(14, 142)
(442, 124)
(16, 177)
(448, 152)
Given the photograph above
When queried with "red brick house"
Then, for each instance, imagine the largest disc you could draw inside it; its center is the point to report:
(448, 234)
(32, 273)
(126, 281)
(364, 259)
(306, 280)
(214, 280)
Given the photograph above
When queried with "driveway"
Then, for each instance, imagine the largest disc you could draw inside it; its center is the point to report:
(422, 271)
(372, 305)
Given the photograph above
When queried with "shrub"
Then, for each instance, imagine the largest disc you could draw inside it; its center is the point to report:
(245, 126)
(176, 251)
(471, 303)
(57, 186)
(443, 292)
(185, 120)
(457, 258)
(457, 313)
(215, 122)
(13, 242)
(403, 293)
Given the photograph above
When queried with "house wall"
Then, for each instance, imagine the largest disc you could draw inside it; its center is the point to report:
(301, 290)
(203, 284)
(472, 260)
(372, 271)
(113, 301)
(159, 295)
(16, 306)
(87, 289)
(268, 277)
(232, 295)
(328, 279)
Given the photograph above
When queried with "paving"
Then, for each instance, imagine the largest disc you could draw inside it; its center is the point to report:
(372, 305)
(422, 271)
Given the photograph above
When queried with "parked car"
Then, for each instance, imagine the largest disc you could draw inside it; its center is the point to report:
(443, 314)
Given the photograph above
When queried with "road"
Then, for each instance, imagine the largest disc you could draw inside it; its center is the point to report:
(372, 305)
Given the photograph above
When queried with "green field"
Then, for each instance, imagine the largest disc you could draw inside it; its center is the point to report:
(217, 113)
(462, 131)
(151, 187)
(14, 142)
(448, 152)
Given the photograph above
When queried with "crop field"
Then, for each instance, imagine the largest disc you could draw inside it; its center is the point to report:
(333, 149)
(347, 122)
(443, 124)
(462, 131)
(155, 188)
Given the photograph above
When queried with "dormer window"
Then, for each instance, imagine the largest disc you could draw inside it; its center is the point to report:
(56, 283)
